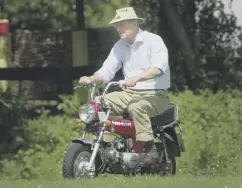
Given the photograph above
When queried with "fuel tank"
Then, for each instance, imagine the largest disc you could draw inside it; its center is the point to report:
(122, 127)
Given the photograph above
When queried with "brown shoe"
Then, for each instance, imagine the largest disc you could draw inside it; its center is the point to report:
(147, 152)
(151, 156)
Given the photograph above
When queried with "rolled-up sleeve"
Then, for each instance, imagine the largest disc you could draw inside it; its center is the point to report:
(159, 55)
(111, 65)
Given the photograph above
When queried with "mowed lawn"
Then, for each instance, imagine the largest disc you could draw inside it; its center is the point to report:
(134, 182)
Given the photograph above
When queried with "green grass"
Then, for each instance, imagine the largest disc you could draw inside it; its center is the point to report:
(124, 182)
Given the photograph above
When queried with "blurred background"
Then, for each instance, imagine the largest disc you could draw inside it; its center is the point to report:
(45, 46)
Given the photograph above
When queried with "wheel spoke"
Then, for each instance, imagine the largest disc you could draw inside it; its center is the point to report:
(81, 163)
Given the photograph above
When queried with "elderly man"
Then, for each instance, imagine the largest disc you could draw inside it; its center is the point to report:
(143, 57)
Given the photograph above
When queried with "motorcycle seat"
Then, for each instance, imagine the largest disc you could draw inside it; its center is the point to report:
(168, 116)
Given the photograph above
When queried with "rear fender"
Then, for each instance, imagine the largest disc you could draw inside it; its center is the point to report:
(181, 142)
(167, 136)
(170, 142)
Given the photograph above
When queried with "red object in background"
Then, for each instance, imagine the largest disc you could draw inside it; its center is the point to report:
(4, 30)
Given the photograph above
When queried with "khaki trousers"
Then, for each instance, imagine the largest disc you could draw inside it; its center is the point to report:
(141, 105)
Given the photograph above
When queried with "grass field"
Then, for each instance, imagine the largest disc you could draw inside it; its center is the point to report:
(135, 182)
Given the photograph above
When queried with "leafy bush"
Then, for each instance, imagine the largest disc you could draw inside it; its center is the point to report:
(44, 142)
(12, 124)
(48, 139)
(213, 132)
(212, 137)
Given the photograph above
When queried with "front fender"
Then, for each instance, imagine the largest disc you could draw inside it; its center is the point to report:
(82, 141)
(88, 143)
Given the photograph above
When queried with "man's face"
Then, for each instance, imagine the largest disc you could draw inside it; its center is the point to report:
(127, 29)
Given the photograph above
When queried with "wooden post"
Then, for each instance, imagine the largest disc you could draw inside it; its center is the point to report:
(79, 37)
(79, 42)
(80, 21)
(4, 51)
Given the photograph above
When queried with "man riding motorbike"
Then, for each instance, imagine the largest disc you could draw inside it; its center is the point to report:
(143, 57)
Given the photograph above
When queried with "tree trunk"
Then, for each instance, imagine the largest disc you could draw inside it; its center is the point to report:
(181, 37)
(80, 21)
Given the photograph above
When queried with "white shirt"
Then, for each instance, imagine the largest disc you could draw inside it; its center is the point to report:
(147, 51)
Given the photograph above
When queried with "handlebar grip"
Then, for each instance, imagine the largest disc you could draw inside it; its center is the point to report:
(121, 83)
(77, 86)
(91, 84)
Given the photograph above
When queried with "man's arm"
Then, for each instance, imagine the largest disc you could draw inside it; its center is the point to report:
(97, 78)
(108, 70)
(110, 66)
(149, 74)
(159, 61)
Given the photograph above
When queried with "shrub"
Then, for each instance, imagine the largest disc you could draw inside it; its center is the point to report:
(44, 142)
(12, 125)
(212, 137)
(48, 139)
(213, 132)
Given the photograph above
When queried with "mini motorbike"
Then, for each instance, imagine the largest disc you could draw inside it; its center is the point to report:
(90, 157)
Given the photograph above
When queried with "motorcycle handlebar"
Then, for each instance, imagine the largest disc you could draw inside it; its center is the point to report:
(120, 83)
(92, 84)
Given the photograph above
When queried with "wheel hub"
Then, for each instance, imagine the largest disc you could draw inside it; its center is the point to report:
(81, 165)
(164, 168)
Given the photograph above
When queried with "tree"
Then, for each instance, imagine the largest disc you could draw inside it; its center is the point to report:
(200, 37)
(199, 34)
(60, 15)
(41, 15)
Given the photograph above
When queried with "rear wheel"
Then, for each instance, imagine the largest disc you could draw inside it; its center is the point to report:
(165, 168)
(170, 165)
(76, 161)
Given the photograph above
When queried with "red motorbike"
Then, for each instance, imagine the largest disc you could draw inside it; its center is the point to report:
(88, 158)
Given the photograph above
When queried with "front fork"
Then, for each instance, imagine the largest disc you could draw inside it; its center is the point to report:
(97, 143)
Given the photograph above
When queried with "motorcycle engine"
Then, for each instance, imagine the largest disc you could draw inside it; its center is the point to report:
(120, 157)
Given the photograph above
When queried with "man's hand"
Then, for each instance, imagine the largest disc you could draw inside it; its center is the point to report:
(131, 82)
(85, 80)
(88, 79)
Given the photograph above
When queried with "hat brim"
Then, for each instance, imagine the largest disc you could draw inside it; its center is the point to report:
(113, 21)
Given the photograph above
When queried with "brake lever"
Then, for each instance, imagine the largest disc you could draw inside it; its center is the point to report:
(85, 85)
(77, 87)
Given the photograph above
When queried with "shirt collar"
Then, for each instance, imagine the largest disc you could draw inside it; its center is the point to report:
(139, 37)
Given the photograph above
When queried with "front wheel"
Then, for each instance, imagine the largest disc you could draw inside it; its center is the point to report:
(76, 161)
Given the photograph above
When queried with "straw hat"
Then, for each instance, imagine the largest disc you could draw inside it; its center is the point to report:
(127, 13)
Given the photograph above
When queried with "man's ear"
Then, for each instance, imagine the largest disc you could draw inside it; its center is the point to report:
(136, 23)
